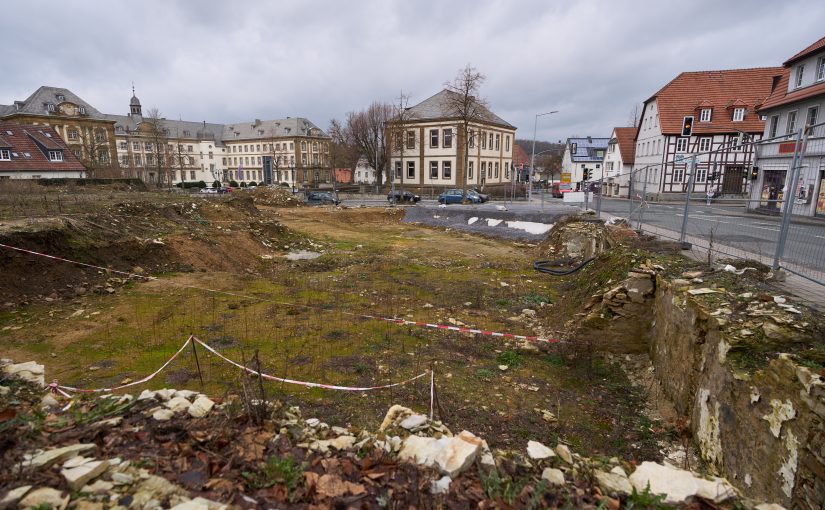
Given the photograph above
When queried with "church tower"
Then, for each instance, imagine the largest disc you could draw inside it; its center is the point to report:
(134, 105)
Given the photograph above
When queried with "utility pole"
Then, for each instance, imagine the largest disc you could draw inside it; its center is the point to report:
(533, 155)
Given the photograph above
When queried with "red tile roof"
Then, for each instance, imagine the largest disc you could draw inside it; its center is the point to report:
(24, 139)
(689, 92)
(626, 138)
(807, 51)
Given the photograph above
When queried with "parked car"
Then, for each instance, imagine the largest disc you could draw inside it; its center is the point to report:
(406, 196)
(227, 189)
(476, 197)
(594, 187)
(209, 190)
(322, 198)
(557, 190)
(457, 196)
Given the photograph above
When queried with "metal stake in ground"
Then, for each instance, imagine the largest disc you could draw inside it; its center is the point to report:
(197, 363)
(691, 177)
(787, 196)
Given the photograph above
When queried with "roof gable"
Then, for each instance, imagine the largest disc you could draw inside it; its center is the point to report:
(626, 140)
(30, 145)
(438, 107)
(37, 103)
(813, 48)
(690, 92)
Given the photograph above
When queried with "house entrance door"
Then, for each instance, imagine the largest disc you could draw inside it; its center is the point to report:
(732, 180)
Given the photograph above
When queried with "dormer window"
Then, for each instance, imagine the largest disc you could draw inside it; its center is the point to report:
(5, 155)
(186, 134)
(705, 114)
(738, 114)
(50, 107)
(61, 97)
(81, 110)
(56, 156)
(800, 73)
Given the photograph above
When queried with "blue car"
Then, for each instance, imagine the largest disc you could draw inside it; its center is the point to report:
(457, 196)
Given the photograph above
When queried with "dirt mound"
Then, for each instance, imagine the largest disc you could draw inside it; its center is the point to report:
(577, 240)
(274, 197)
(364, 216)
(243, 203)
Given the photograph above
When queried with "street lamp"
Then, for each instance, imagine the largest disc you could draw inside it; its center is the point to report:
(533, 155)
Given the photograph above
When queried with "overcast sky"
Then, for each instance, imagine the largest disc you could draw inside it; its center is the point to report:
(233, 61)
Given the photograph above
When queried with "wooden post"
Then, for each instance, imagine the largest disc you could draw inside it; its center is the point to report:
(195, 352)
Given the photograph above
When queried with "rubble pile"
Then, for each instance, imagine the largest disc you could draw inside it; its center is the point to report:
(275, 197)
(576, 241)
(177, 449)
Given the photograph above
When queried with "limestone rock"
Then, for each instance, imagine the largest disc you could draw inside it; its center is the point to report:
(200, 407)
(45, 497)
(49, 401)
(441, 485)
(30, 371)
(564, 452)
(49, 457)
(613, 483)
(538, 451)
(679, 486)
(98, 487)
(451, 455)
(553, 475)
(164, 394)
(163, 414)
(395, 412)
(342, 442)
(146, 395)
(78, 476)
(10, 498)
(177, 404)
(413, 422)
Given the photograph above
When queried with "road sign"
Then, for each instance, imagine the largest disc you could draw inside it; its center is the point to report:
(565, 177)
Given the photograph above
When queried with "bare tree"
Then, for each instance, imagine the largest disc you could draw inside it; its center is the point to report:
(633, 117)
(397, 133)
(344, 154)
(158, 136)
(95, 152)
(464, 103)
(366, 131)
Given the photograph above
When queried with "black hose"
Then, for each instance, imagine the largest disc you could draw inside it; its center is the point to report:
(543, 266)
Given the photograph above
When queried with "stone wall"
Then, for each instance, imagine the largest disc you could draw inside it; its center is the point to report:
(764, 430)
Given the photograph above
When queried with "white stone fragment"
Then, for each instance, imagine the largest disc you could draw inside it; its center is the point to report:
(200, 407)
(553, 475)
(538, 451)
(78, 476)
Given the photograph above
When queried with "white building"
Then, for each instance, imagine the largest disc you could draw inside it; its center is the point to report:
(582, 156)
(720, 106)
(797, 101)
(364, 172)
(429, 147)
(618, 161)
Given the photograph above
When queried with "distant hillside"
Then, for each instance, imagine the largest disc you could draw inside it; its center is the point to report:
(527, 145)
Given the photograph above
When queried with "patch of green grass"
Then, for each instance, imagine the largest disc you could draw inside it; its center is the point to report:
(485, 374)
(555, 360)
(646, 500)
(276, 470)
(535, 299)
(510, 358)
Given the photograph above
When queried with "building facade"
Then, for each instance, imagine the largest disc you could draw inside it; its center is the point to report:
(36, 152)
(428, 147)
(582, 156)
(364, 172)
(618, 161)
(796, 102)
(721, 109)
(89, 134)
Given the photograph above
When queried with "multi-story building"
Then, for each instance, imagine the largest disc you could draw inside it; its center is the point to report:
(35, 152)
(428, 146)
(364, 172)
(796, 101)
(582, 156)
(721, 107)
(618, 161)
(90, 135)
(292, 150)
(163, 151)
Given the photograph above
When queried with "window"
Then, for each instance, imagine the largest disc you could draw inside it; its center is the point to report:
(433, 138)
(124, 160)
(410, 169)
(50, 107)
(701, 174)
(100, 135)
(314, 146)
(496, 170)
(507, 168)
(303, 159)
(820, 69)
(257, 148)
(396, 141)
(738, 114)
(5, 155)
(704, 144)
(411, 139)
(61, 97)
(81, 110)
(292, 146)
(448, 137)
(800, 72)
(433, 169)
(246, 160)
(72, 134)
(446, 169)
(507, 143)
(210, 155)
(790, 127)
(491, 141)
(189, 148)
(259, 160)
(472, 139)
(498, 142)
(483, 140)
(678, 174)
(773, 126)
(246, 148)
(148, 146)
(813, 113)
(124, 146)
(470, 169)
(137, 159)
(104, 157)
(76, 153)
(704, 116)
(483, 170)
(303, 146)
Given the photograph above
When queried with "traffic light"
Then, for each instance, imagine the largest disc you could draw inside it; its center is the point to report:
(587, 174)
(754, 173)
(687, 125)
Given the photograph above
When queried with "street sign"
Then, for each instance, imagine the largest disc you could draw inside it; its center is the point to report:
(565, 177)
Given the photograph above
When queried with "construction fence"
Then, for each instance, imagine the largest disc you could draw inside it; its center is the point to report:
(766, 213)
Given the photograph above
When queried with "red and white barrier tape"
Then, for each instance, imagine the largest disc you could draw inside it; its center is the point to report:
(304, 383)
(402, 322)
